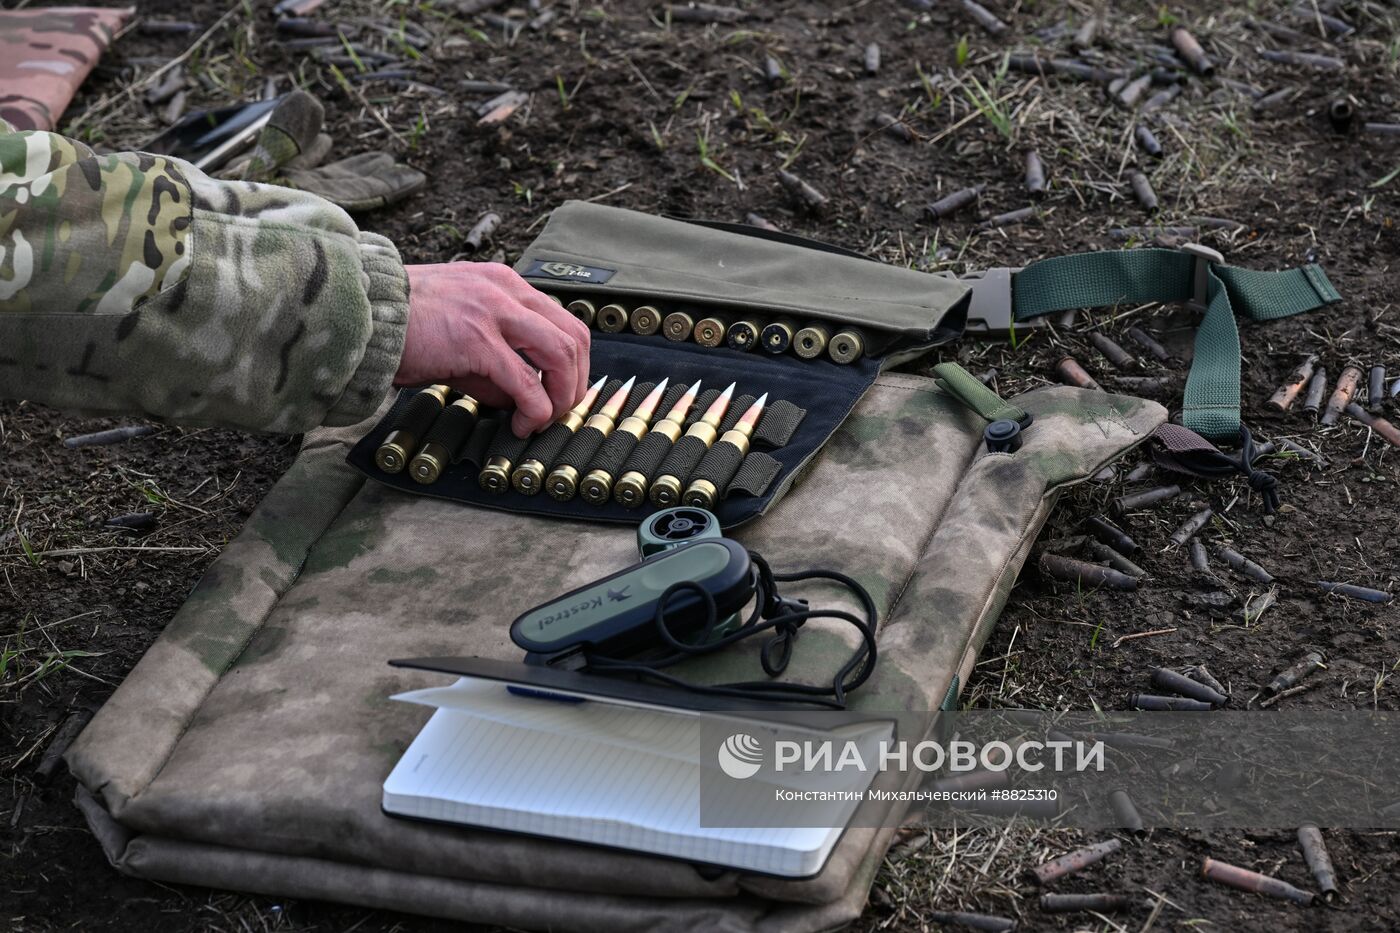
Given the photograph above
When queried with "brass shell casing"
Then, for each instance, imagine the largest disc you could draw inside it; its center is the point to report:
(528, 478)
(557, 300)
(701, 494)
(562, 483)
(633, 425)
(706, 432)
(646, 320)
(596, 487)
(666, 491)
(776, 337)
(669, 428)
(736, 438)
(678, 326)
(810, 342)
(612, 319)
(583, 309)
(573, 419)
(495, 476)
(709, 332)
(630, 490)
(601, 423)
(427, 465)
(392, 455)
(742, 335)
(846, 347)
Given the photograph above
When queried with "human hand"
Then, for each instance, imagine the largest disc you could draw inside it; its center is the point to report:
(470, 323)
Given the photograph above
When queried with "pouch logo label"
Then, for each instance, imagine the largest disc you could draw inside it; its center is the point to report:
(569, 271)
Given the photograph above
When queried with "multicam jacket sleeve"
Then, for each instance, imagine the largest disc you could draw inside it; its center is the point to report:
(136, 283)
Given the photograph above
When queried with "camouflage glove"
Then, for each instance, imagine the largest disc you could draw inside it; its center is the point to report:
(291, 148)
(359, 183)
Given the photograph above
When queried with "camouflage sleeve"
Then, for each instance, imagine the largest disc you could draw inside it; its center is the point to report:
(136, 283)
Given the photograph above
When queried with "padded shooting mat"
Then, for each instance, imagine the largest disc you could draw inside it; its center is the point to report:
(248, 747)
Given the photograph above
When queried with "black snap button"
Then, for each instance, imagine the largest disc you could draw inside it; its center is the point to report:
(1003, 436)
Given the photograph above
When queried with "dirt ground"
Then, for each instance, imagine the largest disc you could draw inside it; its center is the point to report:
(680, 118)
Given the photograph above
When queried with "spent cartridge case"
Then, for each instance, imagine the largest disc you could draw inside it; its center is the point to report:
(1085, 574)
(1131, 91)
(984, 17)
(846, 346)
(444, 440)
(954, 202)
(1381, 426)
(1066, 903)
(1126, 812)
(1191, 526)
(645, 320)
(1202, 675)
(1317, 387)
(1199, 561)
(1150, 343)
(1111, 534)
(1075, 861)
(1318, 860)
(1191, 52)
(1167, 679)
(678, 326)
(1294, 674)
(1147, 140)
(1115, 560)
(811, 341)
(1072, 373)
(709, 332)
(742, 335)
(1140, 500)
(803, 194)
(1035, 174)
(1144, 383)
(1086, 35)
(1244, 566)
(411, 427)
(1284, 395)
(583, 309)
(1009, 219)
(612, 319)
(1355, 592)
(1147, 701)
(777, 337)
(1375, 389)
(1116, 355)
(1247, 880)
(1142, 190)
(1341, 395)
(987, 923)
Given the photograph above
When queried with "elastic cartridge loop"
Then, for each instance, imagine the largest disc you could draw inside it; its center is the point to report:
(964, 386)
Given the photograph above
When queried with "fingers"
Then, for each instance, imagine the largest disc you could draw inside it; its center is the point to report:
(553, 352)
(557, 316)
(533, 407)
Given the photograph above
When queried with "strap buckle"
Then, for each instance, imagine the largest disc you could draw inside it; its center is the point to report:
(989, 314)
(1202, 257)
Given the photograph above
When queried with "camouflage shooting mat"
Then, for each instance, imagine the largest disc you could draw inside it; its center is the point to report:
(248, 747)
(45, 53)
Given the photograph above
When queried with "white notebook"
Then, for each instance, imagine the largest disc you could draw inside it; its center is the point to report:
(597, 772)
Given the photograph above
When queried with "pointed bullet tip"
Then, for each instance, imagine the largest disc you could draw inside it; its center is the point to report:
(762, 398)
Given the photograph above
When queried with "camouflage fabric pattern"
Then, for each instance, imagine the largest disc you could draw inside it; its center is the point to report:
(45, 53)
(186, 297)
(248, 748)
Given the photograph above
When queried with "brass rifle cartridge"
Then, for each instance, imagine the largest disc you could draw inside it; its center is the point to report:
(528, 478)
(562, 481)
(846, 346)
(495, 476)
(709, 332)
(776, 337)
(646, 320)
(742, 335)
(447, 435)
(597, 486)
(612, 319)
(398, 446)
(704, 493)
(583, 309)
(810, 342)
(677, 326)
(666, 491)
(631, 488)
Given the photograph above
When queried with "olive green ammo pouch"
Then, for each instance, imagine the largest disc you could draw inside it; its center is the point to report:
(724, 272)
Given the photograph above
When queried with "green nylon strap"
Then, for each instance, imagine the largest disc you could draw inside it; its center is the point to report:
(953, 379)
(1095, 280)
